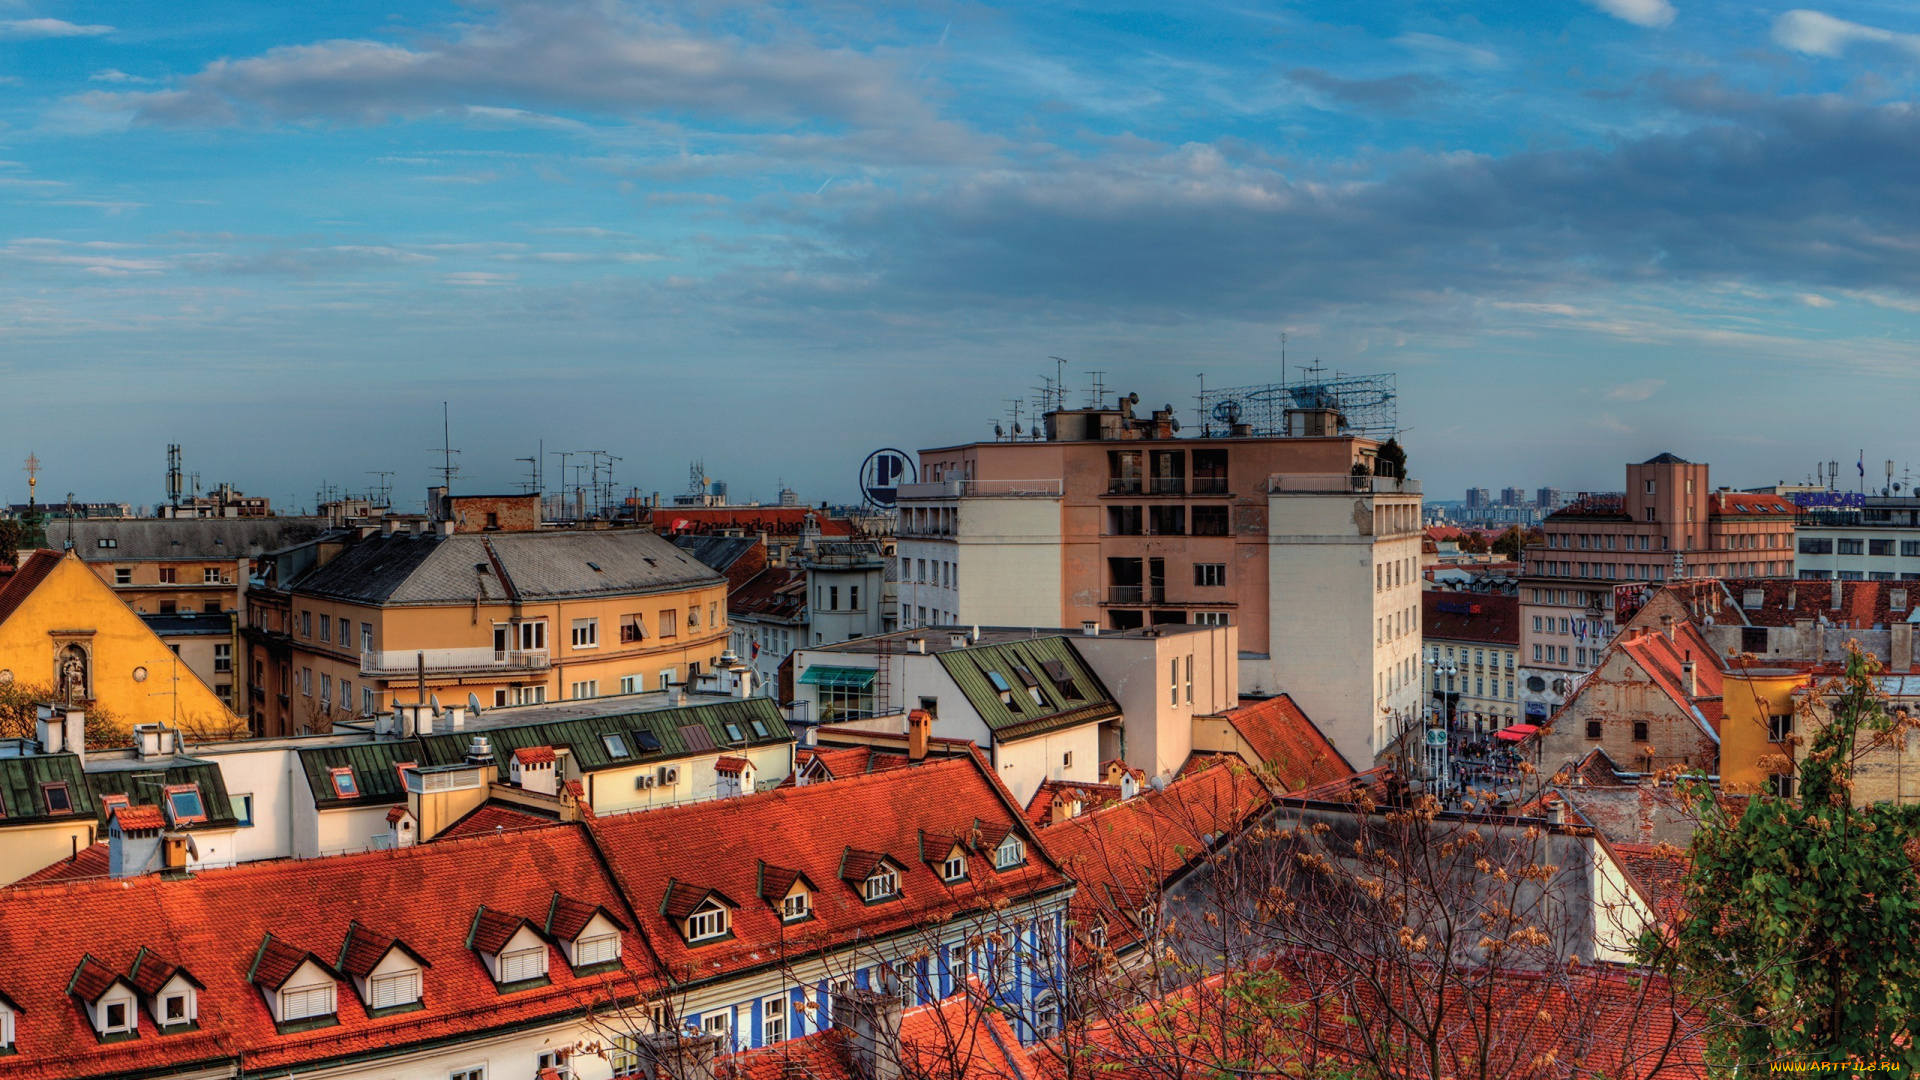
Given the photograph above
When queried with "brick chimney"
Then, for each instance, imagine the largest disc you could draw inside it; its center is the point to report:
(1689, 677)
(919, 728)
(1901, 645)
(1666, 626)
(871, 1022)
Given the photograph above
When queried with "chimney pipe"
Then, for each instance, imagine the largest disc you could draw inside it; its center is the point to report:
(919, 727)
(871, 1024)
(683, 1057)
(388, 524)
(1666, 626)
(1090, 629)
(1689, 675)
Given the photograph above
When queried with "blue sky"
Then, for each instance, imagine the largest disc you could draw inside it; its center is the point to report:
(778, 236)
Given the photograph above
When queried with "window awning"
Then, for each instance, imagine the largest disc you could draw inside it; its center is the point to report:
(1516, 733)
(839, 678)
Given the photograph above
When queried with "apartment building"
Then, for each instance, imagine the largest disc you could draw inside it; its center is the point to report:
(509, 617)
(1472, 659)
(1117, 522)
(1878, 540)
(1605, 548)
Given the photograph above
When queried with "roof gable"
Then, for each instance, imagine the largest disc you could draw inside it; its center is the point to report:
(275, 961)
(567, 918)
(1291, 747)
(1021, 666)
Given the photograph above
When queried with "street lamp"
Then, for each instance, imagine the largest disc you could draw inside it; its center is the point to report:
(1439, 733)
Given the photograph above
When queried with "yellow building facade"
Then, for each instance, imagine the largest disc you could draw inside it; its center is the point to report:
(62, 626)
(1758, 721)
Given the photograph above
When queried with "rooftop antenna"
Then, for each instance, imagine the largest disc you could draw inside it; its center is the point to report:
(532, 482)
(173, 473)
(384, 487)
(563, 455)
(1283, 358)
(1060, 378)
(447, 470)
(1099, 393)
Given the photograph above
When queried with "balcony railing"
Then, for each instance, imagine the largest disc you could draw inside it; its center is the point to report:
(1339, 484)
(1123, 485)
(402, 662)
(964, 489)
(1209, 485)
(1169, 485)
(1136, 594)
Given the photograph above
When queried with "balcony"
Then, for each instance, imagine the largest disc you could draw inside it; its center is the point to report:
(1340, 484)
(1209, 485)
(1124, 485)
(1136, 594)
(1169, 485)
(969, 489)
(482, 661)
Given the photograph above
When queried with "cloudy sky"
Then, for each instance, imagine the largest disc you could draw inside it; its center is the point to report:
(777, 236)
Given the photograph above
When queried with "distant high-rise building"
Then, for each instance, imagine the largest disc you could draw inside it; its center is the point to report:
(1512, 496)
(1479, 498)
(1549, 499)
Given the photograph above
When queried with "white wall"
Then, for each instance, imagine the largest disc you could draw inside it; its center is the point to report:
(1009, 552)
(1159, 731)
(1024, 764)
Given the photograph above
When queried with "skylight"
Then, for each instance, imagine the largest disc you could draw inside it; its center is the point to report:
(759, 728)
(999, 682)
(616, 746)
(733, 732)
(344, 785)
(647, 741)
(184, 803)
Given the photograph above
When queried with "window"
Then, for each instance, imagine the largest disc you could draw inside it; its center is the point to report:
(1210, 618)
(797, 905)
(1209, 521)
(882, 884)
(123, 576)
(1066, 760)
(1782, 785)
(1173, 682)
(223, 656)
(474, 1072)
(116, 1017)
(957, 966)
(326, 691)
(306, 1003)
(1639, 731)
(1167, 520)
(581, 690)
(306, 681)
(1593, 729)
(1779, 727)
(326, 629)
(1011, 853)
(954, 869)
(716, 1023)
(344, 785)
(616, 746)
(600, 949)
(370, 705)
(168, 576)
(306, 623)
(58, 799)
(1211, 575)
(110, 803)
(1125, 521)
(533, 636)
(107, 542)
(523, 964)
(586, 633)
(174, 1009)
(1852, 547)
(388, 991)
(669, 623)
(773, 1020)
(366, 637)
(1879, 547)
(709, 923)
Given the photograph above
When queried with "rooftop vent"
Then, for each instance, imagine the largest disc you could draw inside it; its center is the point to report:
(480, 751)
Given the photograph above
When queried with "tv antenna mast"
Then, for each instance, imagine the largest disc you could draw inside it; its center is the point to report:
(447, 470)
(383, 488)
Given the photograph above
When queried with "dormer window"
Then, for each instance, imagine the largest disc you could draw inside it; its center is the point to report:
(706, 924)
(306, 1003)
(797, 905)
(344, 784)
(110, 803)
(954, 869)
(1097, 935)
(1011, 853)
(116, 1016)
(184, 804)
(882, 884)
(57, 798)
(512, 948)
(588, 934)
(171, 994)
(395, 990)
(520, 965)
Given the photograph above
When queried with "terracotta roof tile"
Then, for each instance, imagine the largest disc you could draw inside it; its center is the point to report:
(91, 979)
(566, 917)
(274, 962)
(490, 818)
(1290, 746)
(143, 818)
(1089, 796)
(492, 930)
(1658, 872)
(731, 764)
(89, 862)
(535, 755)
(957, 1038)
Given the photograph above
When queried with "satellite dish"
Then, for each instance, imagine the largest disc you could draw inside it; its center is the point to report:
(1133, 399)
(999, 432)
(435, 700)
(1176, 425)
(473, 704)
(1016, 431)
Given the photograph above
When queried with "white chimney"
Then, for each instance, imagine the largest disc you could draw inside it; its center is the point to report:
(1090, 628)
(957, 640)
(388, 524)
(917, 645)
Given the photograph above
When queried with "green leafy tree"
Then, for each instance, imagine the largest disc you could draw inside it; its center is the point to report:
(1511, 542)
(1802, 915)
(1391, 459)
(13, 537)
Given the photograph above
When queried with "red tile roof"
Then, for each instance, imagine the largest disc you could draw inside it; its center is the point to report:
(361, 950)
(730, 764)
(90, 862)
(489, 818)
(33, 569)
(143, 818)
(1863, 604)
(1089, 796)
(567, 917)
(92, 979)
(535, 755)
(1658, 873)
(958, 1038)
(772, 520)
(1745, 504)
(1294, 751)
(811, 830)
(777, 591)
(1489, 618)
(1123, 854)
(1589, 1022)
(213, 923)
(1662, 659)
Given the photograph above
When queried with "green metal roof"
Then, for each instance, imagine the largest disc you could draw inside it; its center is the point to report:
(1025, 668)
(669, 733)
(20, 787)
(143, 787)
(374, 767)
(851, 678)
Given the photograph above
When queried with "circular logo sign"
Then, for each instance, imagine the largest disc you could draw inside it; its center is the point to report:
(882, 474)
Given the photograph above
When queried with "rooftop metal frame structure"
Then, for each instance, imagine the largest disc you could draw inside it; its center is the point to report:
(1368, 404)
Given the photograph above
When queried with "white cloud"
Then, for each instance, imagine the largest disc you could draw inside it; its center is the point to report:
(1649, 13)
(1637, 390)
(115, 75)
(1819, 34)
(49, 28)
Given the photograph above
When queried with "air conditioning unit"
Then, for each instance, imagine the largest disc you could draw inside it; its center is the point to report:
(643, 781)
(669, 775)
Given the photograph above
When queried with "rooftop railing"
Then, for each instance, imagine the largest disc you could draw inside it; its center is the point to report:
(1340, 484)
(401, 662)
(963, 489)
